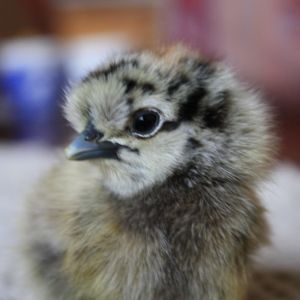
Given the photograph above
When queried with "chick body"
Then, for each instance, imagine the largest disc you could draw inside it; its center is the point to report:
(175, 215)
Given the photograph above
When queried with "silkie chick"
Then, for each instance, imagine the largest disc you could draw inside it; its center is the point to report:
(160, 201)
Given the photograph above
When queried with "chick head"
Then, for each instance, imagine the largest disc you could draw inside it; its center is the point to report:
(144, 117)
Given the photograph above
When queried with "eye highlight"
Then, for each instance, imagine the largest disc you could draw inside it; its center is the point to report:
(145, 123)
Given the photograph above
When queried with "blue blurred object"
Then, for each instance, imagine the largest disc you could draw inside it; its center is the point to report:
(32, 80)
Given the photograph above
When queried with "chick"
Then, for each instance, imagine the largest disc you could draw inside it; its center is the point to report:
(159, 201)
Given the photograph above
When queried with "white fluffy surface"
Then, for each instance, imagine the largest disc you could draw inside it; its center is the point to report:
(281, 197)
(22, 165)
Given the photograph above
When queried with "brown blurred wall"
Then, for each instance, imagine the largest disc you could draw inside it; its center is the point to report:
(30, 17)
(13, 21)
(137, 22)
(25, 17)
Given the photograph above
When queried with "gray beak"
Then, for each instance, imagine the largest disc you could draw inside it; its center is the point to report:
(82, 149)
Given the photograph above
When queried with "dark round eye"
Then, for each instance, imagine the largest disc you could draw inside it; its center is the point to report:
(145, 123)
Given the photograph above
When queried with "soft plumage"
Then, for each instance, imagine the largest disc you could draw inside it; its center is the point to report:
(163, 205)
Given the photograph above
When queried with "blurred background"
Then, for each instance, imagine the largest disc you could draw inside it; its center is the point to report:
(46, 44)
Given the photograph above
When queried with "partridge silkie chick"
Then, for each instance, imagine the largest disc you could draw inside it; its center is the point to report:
(159, 202)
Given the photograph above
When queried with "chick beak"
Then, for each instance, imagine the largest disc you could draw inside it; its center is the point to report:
(83, 149)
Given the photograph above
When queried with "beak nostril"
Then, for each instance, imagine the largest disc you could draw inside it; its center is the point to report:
(91, 134)
(89, 137)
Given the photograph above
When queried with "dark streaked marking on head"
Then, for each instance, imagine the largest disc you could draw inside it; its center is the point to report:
(129, 101)
(92, 75)
(176, 84)
(204, 69)
(215, 116)
(193, 143)
(134, 62)
(196, 61)
(113, 67)
(130, 84)
(189, 109)
(170, 125)
(148, 87)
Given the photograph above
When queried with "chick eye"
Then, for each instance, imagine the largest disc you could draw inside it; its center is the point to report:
(145, 123)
